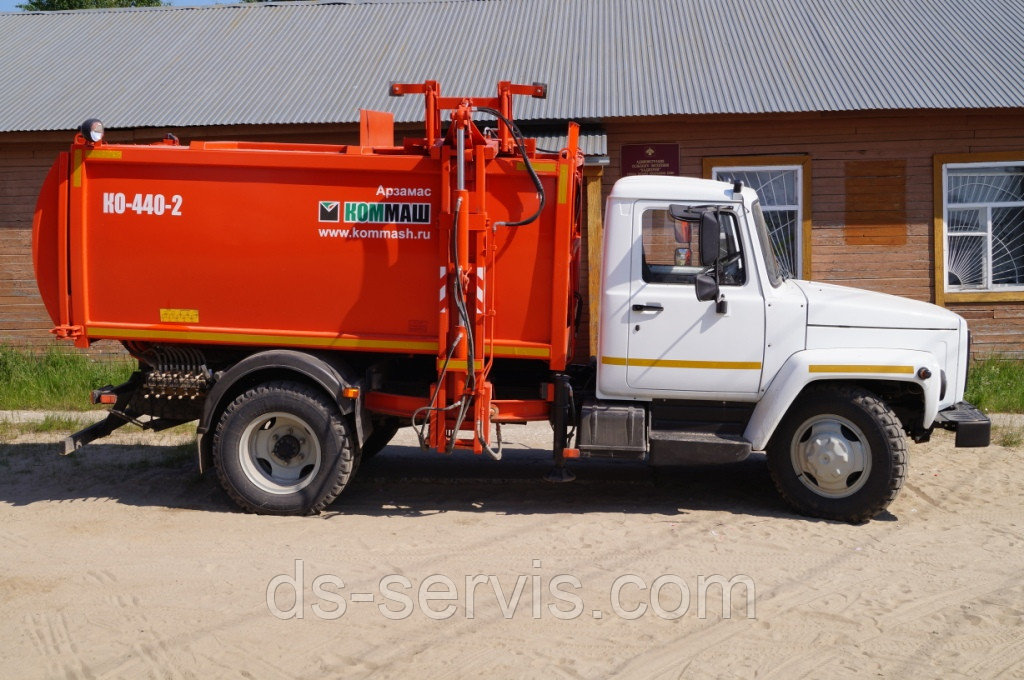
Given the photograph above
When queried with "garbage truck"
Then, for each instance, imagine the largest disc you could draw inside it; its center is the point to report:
(304, 302)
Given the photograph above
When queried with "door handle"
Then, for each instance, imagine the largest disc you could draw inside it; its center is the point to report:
(649, 307)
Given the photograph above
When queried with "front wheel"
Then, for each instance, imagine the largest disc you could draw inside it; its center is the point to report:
(283, 448)
(839, 454)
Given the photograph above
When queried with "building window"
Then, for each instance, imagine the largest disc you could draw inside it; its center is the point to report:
(783, 185)
(983, 227)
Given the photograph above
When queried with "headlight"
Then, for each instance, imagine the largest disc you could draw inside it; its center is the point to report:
(92, 130)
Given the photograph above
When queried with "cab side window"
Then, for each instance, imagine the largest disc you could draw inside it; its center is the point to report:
(671, 250)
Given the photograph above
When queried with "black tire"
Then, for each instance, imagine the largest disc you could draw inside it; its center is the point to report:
(384, 430)
(283, 448)
(839, 454)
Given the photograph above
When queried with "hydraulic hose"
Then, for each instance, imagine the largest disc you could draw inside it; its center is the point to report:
(518, 136)
(419, 429)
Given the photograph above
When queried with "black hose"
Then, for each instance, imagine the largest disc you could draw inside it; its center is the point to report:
(460, 305)
(420, 429)
(518, 136)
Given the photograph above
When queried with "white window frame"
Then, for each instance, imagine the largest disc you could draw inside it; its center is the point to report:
(724, 169)
(989, 288)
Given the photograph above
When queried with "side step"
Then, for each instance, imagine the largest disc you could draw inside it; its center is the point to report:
(675, 447)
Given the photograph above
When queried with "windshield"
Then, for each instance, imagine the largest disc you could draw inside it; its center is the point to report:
(776, 273)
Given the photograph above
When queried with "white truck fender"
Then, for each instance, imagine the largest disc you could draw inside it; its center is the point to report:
(814, 365)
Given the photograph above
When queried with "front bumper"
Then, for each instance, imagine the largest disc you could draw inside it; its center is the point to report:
(972, 427)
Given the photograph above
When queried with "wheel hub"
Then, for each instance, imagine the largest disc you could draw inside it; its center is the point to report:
(279, 452)
(831, 456)
(286, 448)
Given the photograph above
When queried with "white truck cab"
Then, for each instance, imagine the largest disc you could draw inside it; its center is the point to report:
(707, 343)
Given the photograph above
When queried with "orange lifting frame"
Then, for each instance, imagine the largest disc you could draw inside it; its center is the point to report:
(471, 258)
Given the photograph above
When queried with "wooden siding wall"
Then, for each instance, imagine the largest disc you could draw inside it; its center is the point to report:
(23, 320)
(872, 200)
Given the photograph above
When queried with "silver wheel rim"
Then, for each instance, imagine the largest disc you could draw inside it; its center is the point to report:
(831, 456)
(279, 453)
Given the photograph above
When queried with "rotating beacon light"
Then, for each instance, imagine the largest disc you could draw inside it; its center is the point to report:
(92, 130)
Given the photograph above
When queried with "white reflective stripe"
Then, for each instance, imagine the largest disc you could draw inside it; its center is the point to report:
(481, 273)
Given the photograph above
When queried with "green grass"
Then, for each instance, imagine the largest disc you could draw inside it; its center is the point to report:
(996, 385)
(59, 379)
(1010, 437)
(51, 423)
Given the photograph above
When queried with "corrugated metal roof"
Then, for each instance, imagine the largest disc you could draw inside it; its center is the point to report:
(309, 62)
(593, 141)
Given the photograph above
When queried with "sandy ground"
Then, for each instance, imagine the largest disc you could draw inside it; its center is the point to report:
(121, 562)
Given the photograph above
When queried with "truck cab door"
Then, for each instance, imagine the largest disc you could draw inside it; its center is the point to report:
(680, 347)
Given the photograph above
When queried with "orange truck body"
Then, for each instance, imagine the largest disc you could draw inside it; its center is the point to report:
(317, 247)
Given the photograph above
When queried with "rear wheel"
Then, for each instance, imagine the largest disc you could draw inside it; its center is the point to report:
(283, 448)
(839, 453)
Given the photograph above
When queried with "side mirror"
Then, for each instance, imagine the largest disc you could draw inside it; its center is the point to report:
(707, 287)
(684, 213)
(710, 238)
